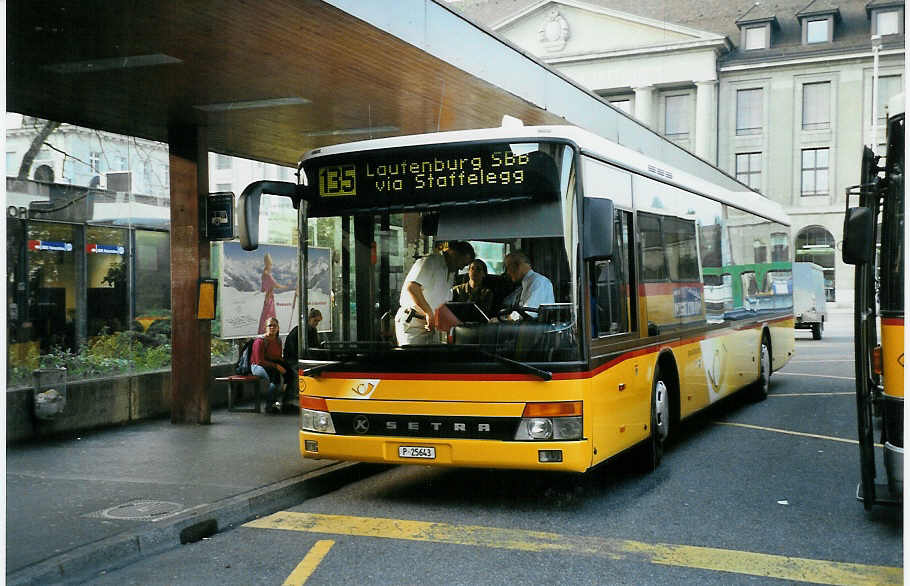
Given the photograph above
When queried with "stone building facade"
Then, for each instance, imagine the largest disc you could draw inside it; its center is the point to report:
(777, 93)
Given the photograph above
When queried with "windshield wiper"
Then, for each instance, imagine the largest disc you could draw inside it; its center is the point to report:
(317, 369)
(543, 374)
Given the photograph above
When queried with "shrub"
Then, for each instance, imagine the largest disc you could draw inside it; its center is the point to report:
(107, 355)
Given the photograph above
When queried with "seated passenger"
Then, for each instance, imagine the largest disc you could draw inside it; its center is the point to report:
(267, 362)
(475, 290)
(535, 290)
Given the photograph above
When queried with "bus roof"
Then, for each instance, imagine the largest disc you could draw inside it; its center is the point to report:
(589, 144)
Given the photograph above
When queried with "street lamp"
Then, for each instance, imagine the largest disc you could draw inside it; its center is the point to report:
(876, 47)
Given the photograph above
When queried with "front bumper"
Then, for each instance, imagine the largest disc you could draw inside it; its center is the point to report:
(894, 466)
(467, 453)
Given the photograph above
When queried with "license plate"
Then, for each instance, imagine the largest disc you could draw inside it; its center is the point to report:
(416, 452)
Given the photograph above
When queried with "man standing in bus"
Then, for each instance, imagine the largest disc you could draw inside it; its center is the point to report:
(427, 286)
(535, 288)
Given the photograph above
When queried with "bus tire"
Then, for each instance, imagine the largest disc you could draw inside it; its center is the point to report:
(762, 385)
(653, 449)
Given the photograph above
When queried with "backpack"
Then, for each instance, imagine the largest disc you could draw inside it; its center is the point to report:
(243, 361)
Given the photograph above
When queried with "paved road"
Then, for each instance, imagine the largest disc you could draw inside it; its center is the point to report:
(746, 493)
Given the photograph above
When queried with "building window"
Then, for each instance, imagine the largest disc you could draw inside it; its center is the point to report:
(780, 249)
(676, 120)
(887, 22)
(94, 161)
(817, 106)
(222, 162)
(815, 172)
(624, 105)
(818, 31)
(888, 87)
(748, 111)
(11, 169)
(748, 169)
(755, 37)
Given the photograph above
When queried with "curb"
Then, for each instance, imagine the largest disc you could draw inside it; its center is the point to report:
(152, 538)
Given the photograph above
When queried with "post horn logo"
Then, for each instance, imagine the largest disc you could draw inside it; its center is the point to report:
(363, 389)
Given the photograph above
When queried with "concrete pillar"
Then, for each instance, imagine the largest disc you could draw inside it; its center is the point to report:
(644, 105)
(190, 338)
(706, 120)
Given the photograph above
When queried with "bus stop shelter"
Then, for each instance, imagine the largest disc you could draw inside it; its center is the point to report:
(268, 80)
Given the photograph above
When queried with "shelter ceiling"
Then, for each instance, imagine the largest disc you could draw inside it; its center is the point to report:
(65, 62)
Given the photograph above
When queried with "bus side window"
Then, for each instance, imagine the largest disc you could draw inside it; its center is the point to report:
(610, 284)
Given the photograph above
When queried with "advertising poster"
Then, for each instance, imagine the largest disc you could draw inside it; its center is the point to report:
(259, 284)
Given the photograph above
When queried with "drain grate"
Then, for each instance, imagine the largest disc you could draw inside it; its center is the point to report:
(141, 510)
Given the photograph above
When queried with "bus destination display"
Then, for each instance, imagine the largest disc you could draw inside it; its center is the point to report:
(432, 174)
(496, 168)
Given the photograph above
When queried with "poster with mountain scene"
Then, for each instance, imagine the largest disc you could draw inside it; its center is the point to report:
(244, 304)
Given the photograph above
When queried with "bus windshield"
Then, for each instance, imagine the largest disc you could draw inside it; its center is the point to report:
(374, 213)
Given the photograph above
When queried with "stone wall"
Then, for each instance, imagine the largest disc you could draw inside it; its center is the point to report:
(105, 402)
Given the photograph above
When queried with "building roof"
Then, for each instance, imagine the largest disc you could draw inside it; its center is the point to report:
(816, 7)
(721, 17)
(759, 12)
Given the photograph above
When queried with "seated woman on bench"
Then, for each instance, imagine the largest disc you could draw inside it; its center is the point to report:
(267, 363)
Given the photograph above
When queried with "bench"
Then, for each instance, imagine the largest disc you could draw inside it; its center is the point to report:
(236, 384)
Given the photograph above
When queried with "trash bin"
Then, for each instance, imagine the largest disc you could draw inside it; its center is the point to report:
(50, 392)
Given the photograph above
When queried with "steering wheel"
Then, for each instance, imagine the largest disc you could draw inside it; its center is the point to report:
(522, 311)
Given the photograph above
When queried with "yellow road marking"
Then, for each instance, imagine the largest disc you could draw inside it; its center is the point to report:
(705, 558)
(789, 432)
(310, 562)
(810, 394)
(816, 375)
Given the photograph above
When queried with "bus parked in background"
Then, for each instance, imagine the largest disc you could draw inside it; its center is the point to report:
(879, 217)
(627, 348)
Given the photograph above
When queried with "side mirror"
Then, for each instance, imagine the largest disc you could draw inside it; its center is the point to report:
(597, 224)
(248, 226)
(859, 236)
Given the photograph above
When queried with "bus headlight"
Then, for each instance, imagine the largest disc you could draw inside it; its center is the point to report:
(315, 416)
(551, 421)
(549, 428)
(566, 428)
(316, 421)
(540, 429)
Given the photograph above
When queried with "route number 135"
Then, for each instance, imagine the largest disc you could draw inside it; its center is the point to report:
(337, 180)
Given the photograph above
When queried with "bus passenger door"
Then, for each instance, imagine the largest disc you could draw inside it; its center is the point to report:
(617, 392)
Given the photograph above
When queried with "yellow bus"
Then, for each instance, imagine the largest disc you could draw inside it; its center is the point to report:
(626, 349)
(879, 307)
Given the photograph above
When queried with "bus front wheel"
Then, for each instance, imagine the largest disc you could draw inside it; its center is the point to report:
(653, 449)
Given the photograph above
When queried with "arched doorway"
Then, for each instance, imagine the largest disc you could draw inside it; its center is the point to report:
(816, 244)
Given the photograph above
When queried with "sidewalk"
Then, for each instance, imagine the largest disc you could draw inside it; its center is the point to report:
(80, 504)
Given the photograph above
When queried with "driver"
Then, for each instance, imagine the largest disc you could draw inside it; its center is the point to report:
(535, 288)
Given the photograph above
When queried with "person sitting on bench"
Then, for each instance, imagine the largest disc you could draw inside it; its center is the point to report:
(266, 362)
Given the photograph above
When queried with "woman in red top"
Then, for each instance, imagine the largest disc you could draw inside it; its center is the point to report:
(266, 362)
